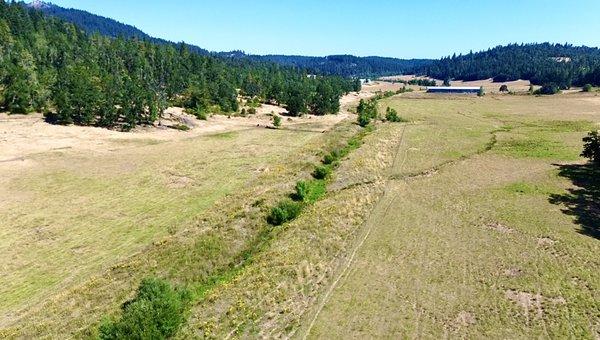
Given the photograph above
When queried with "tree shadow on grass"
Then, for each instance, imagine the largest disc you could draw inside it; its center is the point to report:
(583, 202)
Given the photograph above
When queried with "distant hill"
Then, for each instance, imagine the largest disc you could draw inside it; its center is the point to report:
(563, 65)
(92, 23)
(341, 65)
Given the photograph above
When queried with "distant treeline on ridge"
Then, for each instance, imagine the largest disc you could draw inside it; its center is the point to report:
(562, 65)
(49, 65)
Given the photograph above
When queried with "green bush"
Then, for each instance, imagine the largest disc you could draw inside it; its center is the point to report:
(481, 92)
(353, 144)
(391, 115)
(276, 121)
(332, 157)
(403, 90)
(364, 119)
(310, 191)
(368, 108)
(284, 212)
(181, 127)
(322, 171)
(591, 148)
(156, 312)
(201, 114)
(547, 89)
(252, 111)
(587, 88)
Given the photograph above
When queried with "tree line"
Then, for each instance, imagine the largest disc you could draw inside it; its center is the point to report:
(51, 66)
(543, 64)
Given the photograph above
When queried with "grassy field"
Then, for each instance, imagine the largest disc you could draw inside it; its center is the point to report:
(488, 227)
(476, 219)
(79, 229)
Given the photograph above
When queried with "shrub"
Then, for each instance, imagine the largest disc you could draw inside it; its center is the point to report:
(547, 89)
(181, 127)
(364, 119)
(368, 108)
(391, 115)
(504, 88)
(243, 113)
(310, 191)
(156, 312)
(322, 171)
(284, 212)
(481, 92)
(403, 90)
(252, 111)
(587, 88)
(200, 113)
(276, 121)
(591, 147)
(332, 157)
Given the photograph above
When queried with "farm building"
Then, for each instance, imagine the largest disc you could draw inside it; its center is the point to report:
(447, 89)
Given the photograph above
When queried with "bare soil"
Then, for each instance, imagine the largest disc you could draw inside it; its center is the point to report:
(22, 136)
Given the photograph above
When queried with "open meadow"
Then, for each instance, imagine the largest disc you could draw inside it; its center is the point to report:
(488, 226)
(80, 204)
(475, 218)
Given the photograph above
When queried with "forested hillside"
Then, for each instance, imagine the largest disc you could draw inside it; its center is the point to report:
(92, 23)
(340, 65)
(89, 22)
(49, 65)
(563, 65)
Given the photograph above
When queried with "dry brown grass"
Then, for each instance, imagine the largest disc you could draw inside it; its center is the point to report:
(465, 252)
(88, 212)
(448, 218)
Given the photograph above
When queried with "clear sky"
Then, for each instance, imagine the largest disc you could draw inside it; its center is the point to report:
(394, 28)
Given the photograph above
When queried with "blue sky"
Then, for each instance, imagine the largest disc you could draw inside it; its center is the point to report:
(394, 28)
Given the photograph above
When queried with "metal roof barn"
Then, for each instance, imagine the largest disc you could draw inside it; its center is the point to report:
(457, 89)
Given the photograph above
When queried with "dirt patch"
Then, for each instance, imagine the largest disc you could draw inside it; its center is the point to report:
(463, 320)
(529, 302)
(179, 182)
(24, 136)
(545, 242)
(267, 109)
(501, 228)
(490, 87)
(533, 303)
(513, 272)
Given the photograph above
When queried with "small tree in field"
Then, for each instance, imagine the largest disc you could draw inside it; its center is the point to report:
(276, 121)
(363, 119)
(587, 88)
(591, 147)
(391, 115)
(504, 88)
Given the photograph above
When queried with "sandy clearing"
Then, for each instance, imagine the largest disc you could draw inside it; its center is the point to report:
(22, 136)
(488, 84)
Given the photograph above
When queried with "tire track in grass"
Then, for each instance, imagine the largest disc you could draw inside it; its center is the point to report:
(368, 229)
(369, 226)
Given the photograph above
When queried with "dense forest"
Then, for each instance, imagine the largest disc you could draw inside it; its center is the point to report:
(49, 65)
(562, 65)
(344, 65)
(339, 65)
(92, 23)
